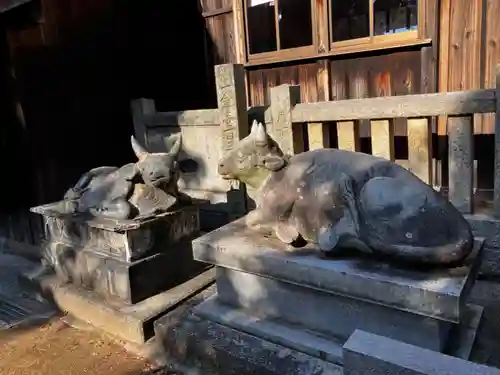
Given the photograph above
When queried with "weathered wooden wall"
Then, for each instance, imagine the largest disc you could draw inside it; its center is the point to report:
(220, 42)
(261, 81)
(75, 74)
(463, 49)
(470, 49)
(392, 74)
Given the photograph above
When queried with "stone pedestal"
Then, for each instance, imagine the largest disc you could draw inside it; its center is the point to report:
(120, 268)
(311, 305)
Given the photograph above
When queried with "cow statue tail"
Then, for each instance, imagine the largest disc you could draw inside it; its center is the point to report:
(451, 253)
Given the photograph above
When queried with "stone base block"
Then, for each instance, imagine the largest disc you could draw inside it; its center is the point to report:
(300, 338)
(195, 342)
(131, 323)
(327, 314)
(126, 240)
(129, 282)
(220, 340)
(435, 293)
(295, 337)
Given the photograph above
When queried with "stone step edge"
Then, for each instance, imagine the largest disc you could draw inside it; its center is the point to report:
(270, 330)
(111, 318)
(463, 337)
(317, 346)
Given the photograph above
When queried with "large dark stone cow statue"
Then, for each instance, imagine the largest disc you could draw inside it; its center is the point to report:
(342, 199)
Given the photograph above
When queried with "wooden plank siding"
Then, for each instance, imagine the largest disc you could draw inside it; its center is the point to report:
(261, 82)
(491, 52)
(394, 74)
(219, 24)
(469, 51)
(465, 48)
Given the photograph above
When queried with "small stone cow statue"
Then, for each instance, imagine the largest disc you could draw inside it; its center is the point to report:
(342, 199)
(134, 190)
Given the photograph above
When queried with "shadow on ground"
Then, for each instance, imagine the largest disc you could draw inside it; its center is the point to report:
(21, 308)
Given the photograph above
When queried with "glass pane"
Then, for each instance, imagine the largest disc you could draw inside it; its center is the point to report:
(261, 26)
(350, 19)
(394, 16)
(295, 21)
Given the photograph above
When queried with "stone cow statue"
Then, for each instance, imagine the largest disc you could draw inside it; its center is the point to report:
(343, 199)
(134, 190)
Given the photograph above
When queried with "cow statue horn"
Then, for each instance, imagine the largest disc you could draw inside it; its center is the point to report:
(139, 151)
(176, 146)
(255, 125)
(260, 134)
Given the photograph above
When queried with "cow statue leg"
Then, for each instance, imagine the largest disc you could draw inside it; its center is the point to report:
(286, 233)
(344, 232)
(85, 179)
(327, 238)
(258, 221)
(329, 234)
(119, 209)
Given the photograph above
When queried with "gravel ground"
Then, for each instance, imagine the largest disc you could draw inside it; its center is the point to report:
(34, 341)
(56, 348)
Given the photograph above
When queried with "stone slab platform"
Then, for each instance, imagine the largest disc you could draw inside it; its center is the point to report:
(324, 313)
(129, 282)
(131, 323)
(226, 341)
(366, 353)
(435, 293)
(193, 342)
(298, 337)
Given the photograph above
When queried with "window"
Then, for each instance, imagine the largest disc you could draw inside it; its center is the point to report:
(372, 21)
(279, 28)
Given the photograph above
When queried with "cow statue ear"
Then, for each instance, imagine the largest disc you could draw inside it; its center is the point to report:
(273, 162)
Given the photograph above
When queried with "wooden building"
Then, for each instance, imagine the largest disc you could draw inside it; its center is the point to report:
(345, 49)
(68, 71)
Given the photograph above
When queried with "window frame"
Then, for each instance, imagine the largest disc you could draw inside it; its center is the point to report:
(374, 42)
(366, 44)
(281, 54)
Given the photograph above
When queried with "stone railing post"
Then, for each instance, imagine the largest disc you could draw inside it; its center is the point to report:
(283, 99)
(231, 101)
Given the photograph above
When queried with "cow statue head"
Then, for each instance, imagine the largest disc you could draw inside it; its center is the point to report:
(160, 168)
(252, 158)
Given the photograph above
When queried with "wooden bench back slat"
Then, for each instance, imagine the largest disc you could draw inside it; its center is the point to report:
(420, 148)
(383, 138)
(348, 135)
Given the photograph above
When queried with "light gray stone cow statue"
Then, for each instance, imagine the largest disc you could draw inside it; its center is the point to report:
(135, 190)
(342, 199)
